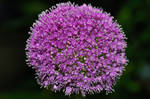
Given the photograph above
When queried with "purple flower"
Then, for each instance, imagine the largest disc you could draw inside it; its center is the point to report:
(76, 49)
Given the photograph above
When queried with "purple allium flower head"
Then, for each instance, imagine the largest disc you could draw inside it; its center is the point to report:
(76, 49)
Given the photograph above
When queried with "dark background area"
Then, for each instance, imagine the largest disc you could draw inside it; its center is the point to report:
(17, 80)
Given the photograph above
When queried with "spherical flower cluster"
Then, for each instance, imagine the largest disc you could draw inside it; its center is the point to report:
(76, 49)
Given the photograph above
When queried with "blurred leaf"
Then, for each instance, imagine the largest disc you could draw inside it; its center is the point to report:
(145, 37)
(132, 86)
(33, 7)
(21, 95)
(144, 72)
(125, 18)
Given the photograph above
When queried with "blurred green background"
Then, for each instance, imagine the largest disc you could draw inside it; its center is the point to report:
(17, 80)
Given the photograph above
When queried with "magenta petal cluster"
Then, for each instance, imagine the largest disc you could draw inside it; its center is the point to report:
(76, 49)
